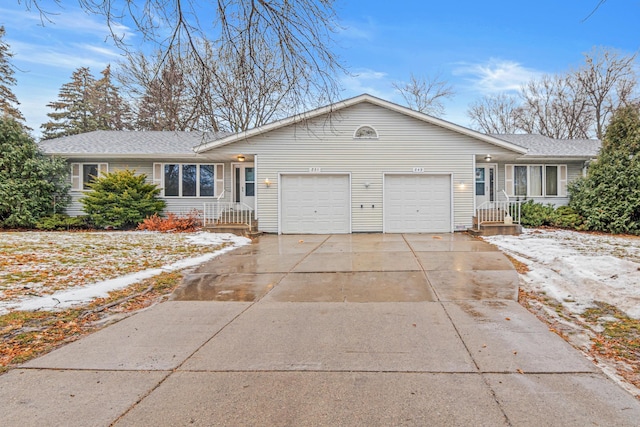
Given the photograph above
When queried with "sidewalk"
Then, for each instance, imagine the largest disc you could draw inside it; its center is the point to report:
(326, 330)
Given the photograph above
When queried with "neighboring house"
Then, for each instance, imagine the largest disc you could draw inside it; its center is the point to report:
(360, 165)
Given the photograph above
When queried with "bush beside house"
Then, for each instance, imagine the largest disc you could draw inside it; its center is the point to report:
(121, 199)
(537, 215)
(609, 196)
(32, 185)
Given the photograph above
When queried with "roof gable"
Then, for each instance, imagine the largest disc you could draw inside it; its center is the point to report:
(351, 102)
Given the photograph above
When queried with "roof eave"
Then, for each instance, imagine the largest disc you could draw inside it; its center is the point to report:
(126, 156)
(557, 157)
(354, 101)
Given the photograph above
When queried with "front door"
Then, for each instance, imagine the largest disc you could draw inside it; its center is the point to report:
(485, 184)
(244, 184)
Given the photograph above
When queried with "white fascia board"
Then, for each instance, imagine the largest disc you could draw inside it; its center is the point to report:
(555, 158)
(353, 101)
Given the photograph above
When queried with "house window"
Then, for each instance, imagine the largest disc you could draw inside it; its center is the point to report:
(365, 132)
(551, 181)
(83, 174)
(189, 180)
(536, 180)
(520, 181)
(207, 181)
(535, 185)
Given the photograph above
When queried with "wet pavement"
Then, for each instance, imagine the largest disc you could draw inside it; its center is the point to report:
(371, 329)
(356, 268)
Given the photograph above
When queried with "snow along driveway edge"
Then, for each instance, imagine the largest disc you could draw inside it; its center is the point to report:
(81, 295)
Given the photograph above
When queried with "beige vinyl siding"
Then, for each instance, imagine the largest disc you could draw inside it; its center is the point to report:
(178, 205)
(574, 170)
(327, 143)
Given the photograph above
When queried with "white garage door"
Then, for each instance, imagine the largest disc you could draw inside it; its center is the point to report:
(417, 203)
(315, 204)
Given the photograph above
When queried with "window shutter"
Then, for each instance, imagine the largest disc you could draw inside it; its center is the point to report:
(76, 179)
(508, 179)
(102, 169)
(562, 180)
(219, 180)
(157, 176)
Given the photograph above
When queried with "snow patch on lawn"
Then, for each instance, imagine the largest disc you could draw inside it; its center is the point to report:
(85, 294)
(577, 269)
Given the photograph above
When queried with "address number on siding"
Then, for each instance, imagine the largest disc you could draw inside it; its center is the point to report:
(418, 170)
(315, 169)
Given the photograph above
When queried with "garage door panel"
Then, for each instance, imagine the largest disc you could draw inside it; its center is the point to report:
(417, 203)
(315, 204)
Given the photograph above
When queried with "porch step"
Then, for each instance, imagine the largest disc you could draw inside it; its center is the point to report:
(494, 216)
(237, 229)
(496, 229)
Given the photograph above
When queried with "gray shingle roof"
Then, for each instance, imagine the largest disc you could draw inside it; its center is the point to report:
(543, 146)
(129, 143)
(146, 143)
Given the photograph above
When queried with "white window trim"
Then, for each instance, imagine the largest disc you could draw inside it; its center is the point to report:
(509, 183)
(355, 133)
(218, 182)
(77, 173)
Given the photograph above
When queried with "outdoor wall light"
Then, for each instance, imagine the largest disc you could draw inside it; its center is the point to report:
(487, 157)
(461, 185)
(240, 158)
(267, 182)
(367, 184)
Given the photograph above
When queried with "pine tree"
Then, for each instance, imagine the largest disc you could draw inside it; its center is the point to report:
(74, 111)
(165, 103)
(609, 197)
(8, 100)
(111, 110)
(32, 185)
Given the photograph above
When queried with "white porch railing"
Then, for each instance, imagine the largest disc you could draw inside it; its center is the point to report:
(218, 212)
(497, 212)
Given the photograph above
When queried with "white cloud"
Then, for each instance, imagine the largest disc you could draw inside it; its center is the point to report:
(66, 57)
(496, 75)
(61, 21)
(102, 51)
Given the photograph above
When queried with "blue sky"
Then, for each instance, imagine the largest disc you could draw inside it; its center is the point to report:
(480, 48)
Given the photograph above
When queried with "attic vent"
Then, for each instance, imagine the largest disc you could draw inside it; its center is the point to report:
(365, 132)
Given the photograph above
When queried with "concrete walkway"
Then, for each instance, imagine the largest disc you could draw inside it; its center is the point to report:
(326, 330)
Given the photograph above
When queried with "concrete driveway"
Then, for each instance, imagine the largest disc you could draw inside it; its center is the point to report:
(327, 330)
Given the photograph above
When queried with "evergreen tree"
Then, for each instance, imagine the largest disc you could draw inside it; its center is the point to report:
(74, 111)
(111, 110)
(31, 184)
(8, 100)
(121, 199)
(609, 197)
(166, 103)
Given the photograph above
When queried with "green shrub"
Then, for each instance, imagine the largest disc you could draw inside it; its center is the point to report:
(32, 185)
(534, 214)
(609, 197)
(61, 222)
(121, 199)
(567, 217)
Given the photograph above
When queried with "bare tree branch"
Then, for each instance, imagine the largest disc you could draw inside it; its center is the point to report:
(595, 9)
(425, 94)
(609, 80)
(299, 36)
(494, 114)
